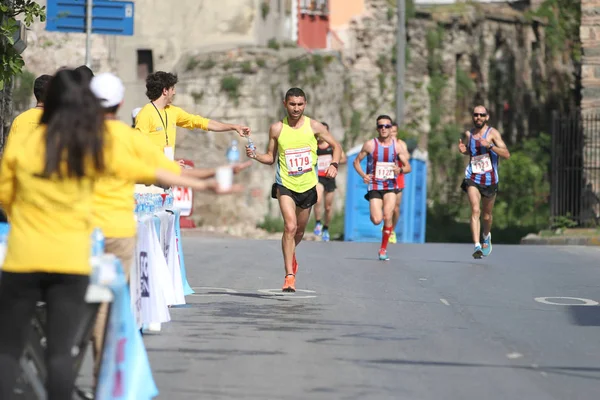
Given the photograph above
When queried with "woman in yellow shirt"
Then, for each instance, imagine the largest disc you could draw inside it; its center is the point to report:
(46, 187)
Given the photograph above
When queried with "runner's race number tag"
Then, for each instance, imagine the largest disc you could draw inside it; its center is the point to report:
(481, 164)
(298, 161)
(323, 161)
(385, 171)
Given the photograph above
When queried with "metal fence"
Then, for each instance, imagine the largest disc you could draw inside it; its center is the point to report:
(575, 191)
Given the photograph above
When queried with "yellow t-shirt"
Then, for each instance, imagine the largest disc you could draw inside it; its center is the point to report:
(114, 203)
(297, 157)
(25, 122)
(161, 125)
(51, 219)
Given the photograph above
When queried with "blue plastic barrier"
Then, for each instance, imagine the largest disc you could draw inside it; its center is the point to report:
(413, 210)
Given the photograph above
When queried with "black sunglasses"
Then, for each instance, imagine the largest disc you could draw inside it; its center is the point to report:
(381, 126)
(479, 115)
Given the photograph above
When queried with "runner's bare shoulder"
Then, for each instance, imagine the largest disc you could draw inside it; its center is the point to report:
(275, 129)
(368, 146)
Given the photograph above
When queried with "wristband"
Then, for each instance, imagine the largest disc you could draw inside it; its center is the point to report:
(334, 164)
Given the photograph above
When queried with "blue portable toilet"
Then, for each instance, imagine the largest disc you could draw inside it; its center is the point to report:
(413, 210)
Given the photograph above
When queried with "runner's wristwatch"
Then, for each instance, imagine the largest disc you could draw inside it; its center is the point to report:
(334, 164)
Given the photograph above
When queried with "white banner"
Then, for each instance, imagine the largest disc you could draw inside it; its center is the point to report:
(172, 257)
(150, 304)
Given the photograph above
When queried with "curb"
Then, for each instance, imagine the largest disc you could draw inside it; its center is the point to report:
(533, 239)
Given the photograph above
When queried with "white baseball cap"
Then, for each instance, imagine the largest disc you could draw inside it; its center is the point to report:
(135, 112)
(108, 88)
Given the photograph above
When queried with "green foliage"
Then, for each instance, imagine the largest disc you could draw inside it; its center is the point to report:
(382, 85)
(273, 44)
(260, 62)
(382, 61)
(23, 90)
(562, 22)
(29, 11)
(563, 222)
(525, 187)
(192, 63)
(209, 63)
(390, 13)
(297, 67)
(198, 96)
(318, 63)
(246, 67)
(272, 224)
(307, 70)
(465, 87)
(231, 86)
(265, 8)
(354, 130)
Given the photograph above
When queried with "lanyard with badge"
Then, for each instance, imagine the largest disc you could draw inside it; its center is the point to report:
(168, 150)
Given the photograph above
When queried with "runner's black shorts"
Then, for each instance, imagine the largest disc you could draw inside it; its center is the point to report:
(328, 183)
(486, 191)
(303, 200)
(378, 194)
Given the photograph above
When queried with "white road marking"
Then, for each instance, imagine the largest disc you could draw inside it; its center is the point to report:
(445, 302)
(422, 279)
(575, 301)
(514, 356)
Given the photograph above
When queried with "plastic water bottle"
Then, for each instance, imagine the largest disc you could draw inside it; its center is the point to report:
(3, 244)
(251, 146)
(97, 242)
(233, 153)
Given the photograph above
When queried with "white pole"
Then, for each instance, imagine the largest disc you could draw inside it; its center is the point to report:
(400, 61)
(88, 32)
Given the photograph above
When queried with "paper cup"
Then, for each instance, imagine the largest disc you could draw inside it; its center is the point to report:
(224, 177)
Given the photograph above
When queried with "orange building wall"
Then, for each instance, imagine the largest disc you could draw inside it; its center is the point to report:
(342, 11)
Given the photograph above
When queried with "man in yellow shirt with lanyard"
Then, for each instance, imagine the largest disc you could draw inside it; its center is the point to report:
(159, 119)
(293, 149)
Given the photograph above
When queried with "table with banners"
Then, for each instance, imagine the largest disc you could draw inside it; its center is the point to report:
(158, 279)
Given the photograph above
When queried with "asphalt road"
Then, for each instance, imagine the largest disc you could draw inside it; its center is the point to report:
(432, 323)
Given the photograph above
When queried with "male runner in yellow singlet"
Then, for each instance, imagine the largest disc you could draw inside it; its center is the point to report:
(293, 149)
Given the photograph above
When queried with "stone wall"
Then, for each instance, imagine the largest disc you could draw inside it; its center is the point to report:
(590, 69)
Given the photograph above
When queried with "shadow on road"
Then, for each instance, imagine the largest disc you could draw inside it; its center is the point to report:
(579, 372)
(584, 315)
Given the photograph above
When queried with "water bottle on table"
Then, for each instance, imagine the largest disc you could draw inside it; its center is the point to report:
(224, 175)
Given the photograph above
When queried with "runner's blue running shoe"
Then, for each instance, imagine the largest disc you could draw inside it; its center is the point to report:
(486, 247)
(383, 255)
(318, 229)
(325, 235)
(478, 253)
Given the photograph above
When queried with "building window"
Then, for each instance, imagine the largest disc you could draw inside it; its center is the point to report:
(314, 7)
(145, 64)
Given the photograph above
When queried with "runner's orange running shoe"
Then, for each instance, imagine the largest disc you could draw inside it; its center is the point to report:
(289, 285)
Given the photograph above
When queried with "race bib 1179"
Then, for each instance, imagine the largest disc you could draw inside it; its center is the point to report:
(298, 161)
